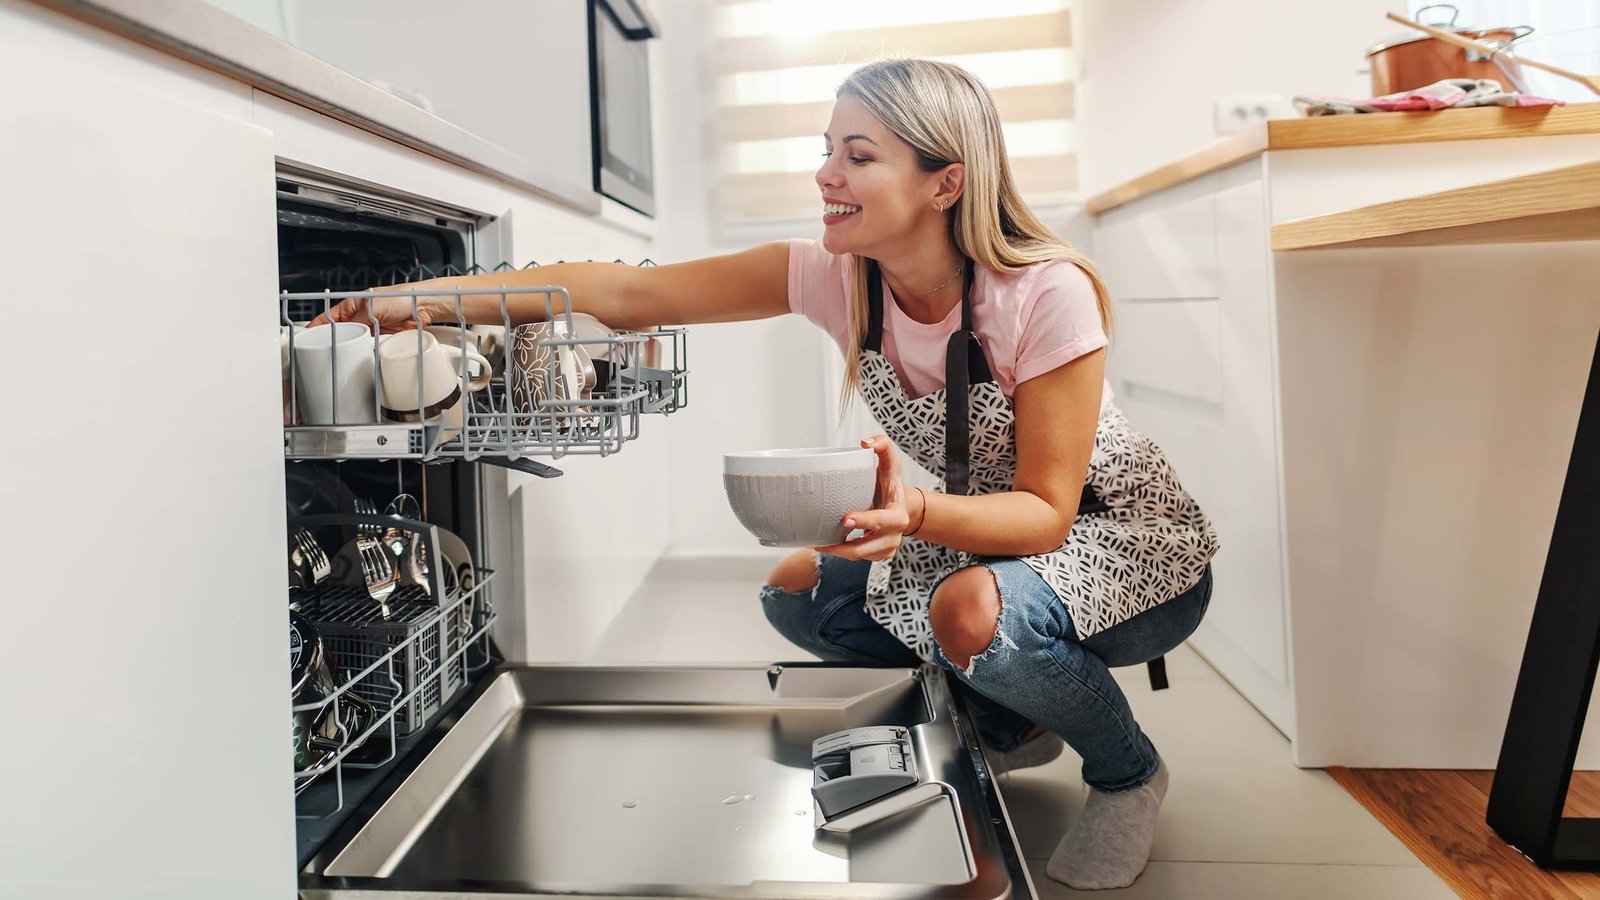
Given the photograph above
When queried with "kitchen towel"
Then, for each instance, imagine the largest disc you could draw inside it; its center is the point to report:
(1451, 92)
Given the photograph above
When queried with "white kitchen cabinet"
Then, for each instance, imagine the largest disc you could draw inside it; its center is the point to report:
(147, 749)
(1392, 433)
(1162, 253)
(511, 72)
(1192, 365)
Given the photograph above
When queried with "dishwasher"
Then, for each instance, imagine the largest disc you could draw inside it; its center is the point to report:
(427, 765)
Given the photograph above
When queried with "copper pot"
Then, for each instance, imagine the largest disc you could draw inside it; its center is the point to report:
(1418, 60)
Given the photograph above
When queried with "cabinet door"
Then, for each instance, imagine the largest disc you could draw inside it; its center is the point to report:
(144, 658)
(512, 72)
(1165, 253)
(1193, 367)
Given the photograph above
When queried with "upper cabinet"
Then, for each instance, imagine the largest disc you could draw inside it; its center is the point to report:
(513, 73)
(499, 87)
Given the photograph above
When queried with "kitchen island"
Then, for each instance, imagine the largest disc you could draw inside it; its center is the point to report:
(1364, 341)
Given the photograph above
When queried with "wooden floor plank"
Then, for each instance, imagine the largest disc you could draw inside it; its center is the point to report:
(1583, 797)
(1439, 815)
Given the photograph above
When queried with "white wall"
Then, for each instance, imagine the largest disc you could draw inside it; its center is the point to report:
(753, 385)
(1151, 69)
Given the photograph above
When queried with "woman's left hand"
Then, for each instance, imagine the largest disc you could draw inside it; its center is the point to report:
(888, 520)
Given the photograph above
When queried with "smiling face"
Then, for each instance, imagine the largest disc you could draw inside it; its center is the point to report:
(874, 194)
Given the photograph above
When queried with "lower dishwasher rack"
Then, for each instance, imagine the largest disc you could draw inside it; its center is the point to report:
(677, 781)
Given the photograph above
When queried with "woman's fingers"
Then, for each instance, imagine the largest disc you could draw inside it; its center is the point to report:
(872, 520)
(889, 490)
(385, 315)
(351, 309)
(870, 547)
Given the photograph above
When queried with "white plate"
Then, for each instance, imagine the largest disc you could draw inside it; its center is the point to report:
(457, 557)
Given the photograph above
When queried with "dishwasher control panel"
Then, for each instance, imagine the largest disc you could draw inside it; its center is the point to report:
(859, 765)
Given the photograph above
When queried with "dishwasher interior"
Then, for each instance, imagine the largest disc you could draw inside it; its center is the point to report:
(370, 681)
(427, 766)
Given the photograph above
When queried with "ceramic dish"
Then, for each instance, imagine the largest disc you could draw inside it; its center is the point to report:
(795, 498)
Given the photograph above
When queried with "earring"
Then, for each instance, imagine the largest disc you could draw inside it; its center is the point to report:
(939, 206)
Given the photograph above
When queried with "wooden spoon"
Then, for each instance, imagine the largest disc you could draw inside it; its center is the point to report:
(1592, 82)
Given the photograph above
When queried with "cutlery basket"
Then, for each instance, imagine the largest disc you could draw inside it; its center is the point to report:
(421, 638)
(357, 636)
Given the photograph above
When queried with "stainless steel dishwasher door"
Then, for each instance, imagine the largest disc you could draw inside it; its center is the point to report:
(684, 781)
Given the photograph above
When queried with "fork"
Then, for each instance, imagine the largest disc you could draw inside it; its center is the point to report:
(365, 507)
(377, 564)
(377, 570)
(308, 552)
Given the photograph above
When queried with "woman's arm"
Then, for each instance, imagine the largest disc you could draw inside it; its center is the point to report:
(751, 284)
(1056, 415)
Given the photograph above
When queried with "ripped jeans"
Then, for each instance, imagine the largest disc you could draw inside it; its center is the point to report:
(1036, 670)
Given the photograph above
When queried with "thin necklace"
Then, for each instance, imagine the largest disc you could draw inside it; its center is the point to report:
(959, 270)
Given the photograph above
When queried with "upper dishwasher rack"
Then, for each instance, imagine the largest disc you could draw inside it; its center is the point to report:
(550, 392)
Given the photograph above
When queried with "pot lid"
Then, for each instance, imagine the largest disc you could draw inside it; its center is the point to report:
(1443, 16)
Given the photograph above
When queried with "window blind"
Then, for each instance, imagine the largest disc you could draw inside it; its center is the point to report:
(773, 66)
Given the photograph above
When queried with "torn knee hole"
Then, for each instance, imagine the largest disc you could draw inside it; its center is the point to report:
(965, 615)
(797, 574)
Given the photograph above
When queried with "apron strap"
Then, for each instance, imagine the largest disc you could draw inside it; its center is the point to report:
(1158, 673)
(964, 366)
(957, 387)
(874, 338)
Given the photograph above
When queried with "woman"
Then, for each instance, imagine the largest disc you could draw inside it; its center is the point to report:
(1063, 543)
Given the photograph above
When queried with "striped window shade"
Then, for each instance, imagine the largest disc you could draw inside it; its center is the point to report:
(774, 66)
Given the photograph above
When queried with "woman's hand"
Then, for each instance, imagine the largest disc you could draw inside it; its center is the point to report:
(393, 314)
(888, 520)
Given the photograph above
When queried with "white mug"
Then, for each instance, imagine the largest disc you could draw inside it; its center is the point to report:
(283, 361)
(416, 359)
(333, 367)
(594, 331)
(468, 340)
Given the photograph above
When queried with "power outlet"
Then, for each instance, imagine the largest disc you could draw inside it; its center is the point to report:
(1233, 112)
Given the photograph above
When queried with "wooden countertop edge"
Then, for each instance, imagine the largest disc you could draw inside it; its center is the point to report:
(1544, 206)
(1248, 143)
(1478, 123)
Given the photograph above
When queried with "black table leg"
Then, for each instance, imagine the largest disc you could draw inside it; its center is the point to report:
(1558, 672)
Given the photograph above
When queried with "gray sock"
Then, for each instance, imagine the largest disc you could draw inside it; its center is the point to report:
(1109, 843)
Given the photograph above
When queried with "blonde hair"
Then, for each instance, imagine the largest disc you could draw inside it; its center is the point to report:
(947, 116)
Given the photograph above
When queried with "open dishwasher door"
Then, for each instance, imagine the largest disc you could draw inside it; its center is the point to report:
(792, 781)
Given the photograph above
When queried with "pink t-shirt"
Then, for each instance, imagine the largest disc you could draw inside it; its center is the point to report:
(1029, 322)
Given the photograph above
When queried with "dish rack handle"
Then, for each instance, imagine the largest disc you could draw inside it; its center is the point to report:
(430, 538)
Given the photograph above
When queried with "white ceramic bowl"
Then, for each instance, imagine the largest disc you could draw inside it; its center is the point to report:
(795, 498)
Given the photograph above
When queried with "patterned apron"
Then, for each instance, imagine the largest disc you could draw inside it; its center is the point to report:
(1139, 538)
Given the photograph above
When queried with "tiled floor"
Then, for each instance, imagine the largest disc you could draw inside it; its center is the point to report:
(1239, 820)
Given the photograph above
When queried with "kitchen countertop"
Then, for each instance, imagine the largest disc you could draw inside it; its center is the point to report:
(1555, 205)
(1355, 130)
(209, 36)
